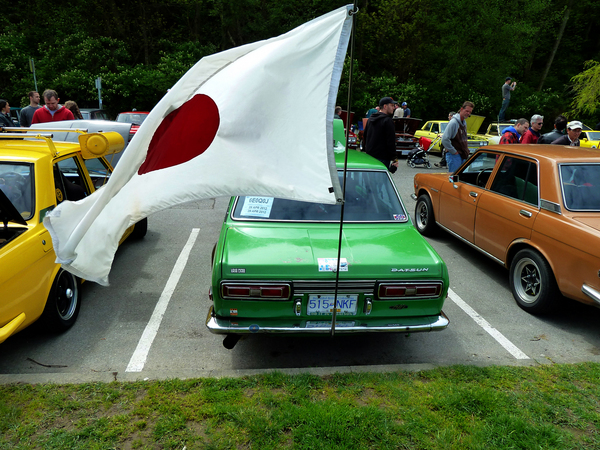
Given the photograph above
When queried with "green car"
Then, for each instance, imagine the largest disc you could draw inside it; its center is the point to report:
(274, 266)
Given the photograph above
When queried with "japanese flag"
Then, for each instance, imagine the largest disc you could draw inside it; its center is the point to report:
(253, 120)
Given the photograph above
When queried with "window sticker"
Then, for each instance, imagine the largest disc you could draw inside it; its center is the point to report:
(330, 264)
(257, 207)
(399, 217)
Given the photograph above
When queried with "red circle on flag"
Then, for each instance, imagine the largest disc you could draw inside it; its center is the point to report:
(184, 134)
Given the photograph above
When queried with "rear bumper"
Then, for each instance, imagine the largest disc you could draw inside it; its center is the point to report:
(320, 326)
(591, 293)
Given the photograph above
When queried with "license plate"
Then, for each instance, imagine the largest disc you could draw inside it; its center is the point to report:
(322, 305)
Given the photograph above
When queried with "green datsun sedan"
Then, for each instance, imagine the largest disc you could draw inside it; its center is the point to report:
(275, 264)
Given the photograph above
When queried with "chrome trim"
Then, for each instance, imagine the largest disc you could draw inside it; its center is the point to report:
(591, 293)
(413, 196)
(499, 261)
(219, 326)
(550, 206)
(327, 286)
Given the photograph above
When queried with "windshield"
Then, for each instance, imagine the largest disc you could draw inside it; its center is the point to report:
(593, 135)
(581, 186)
(370, 197)
(132, 118)
(16, 181)
(443, 126)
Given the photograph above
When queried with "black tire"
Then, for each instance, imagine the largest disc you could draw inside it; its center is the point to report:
(140, 229)
(424, 218)
(64, 302)
(532, 282)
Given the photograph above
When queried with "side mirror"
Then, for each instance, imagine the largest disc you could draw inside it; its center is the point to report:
(453, 179)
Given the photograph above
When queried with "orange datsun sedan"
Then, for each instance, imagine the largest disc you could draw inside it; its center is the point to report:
(535, 209)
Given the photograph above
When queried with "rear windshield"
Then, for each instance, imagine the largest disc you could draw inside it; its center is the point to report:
(370, 197)
(16, 181)
(581, 186)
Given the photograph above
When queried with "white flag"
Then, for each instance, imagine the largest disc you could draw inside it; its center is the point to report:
(253, 120)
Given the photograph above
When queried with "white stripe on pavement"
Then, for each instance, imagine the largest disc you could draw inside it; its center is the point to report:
(138, 359)
(509, 346)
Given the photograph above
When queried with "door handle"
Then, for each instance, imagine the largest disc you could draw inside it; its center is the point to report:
(473, 194)
(525, 213)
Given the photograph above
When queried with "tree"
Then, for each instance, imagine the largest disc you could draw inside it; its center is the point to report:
(586, 87)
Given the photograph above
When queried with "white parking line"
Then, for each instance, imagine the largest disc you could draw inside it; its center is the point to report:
(138, 359)
(509, 346)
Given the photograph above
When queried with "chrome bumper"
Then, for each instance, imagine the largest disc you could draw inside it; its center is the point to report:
(413, 196)
(591, 293)
(223, 326)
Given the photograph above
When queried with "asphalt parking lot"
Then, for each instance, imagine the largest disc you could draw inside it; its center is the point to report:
(149, 323)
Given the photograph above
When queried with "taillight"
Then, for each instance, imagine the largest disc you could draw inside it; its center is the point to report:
(255, 291)
(409, 290)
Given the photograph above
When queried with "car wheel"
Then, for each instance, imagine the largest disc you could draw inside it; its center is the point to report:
(532, 282)
(64, 302)
(140, 229)
(424, 219)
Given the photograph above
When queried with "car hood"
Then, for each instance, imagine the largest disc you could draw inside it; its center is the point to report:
(473, 123)
(371, 251)
(8, 212)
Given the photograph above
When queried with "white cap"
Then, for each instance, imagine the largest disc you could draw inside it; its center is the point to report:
(574, 125)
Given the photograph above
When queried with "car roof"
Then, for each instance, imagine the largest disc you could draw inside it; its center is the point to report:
(558, 153)
(358, 160)
(32, 150)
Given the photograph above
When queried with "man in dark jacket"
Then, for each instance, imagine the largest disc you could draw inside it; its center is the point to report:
(572, 136)
(560, 123)
(380, 135)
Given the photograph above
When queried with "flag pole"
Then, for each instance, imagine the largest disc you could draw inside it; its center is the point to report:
(347, 127)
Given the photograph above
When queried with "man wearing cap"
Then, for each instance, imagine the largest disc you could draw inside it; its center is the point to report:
(455, 139)
(532, 135)
(380, 135)
(406, 109)
(572, 136)
(507, 87)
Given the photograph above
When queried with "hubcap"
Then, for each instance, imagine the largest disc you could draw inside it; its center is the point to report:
(527, 280)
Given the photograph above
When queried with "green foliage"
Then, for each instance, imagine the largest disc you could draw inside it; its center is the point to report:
(586, 87)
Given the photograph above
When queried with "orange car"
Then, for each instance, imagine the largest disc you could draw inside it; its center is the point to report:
(535, 209)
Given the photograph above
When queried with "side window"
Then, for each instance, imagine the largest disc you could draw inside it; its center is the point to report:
(493, 129)
(435, 128)
(427, 127)
(479, 169)
(517, 178)
(69, 181)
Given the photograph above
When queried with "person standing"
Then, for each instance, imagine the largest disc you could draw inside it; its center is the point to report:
(406, 110)
(5, 119)
(532, 135)
(572, 136)
(28, 111)
(560, 123)
(455, 139)
(443, 162)
(507, 88)
(513, 134)
(380, 135)
(52, 112)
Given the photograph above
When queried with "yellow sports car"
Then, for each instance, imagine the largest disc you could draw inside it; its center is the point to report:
(434, 130)
(36, 174)
(590, 139)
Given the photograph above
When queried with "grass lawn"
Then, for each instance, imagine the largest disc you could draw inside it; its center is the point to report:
(460, 407)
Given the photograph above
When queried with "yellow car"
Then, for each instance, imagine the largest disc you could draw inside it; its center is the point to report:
(36, 174)
(590, 139)
(434, 130)
(495, 130)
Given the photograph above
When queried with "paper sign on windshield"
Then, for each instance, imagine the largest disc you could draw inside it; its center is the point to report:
(257, 206)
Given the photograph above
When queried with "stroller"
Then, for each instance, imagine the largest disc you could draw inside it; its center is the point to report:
(419, 156)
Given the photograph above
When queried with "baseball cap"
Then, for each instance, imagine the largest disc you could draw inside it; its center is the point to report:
(574, 125)
(385, 100)
(403, 103)
(507, 78)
